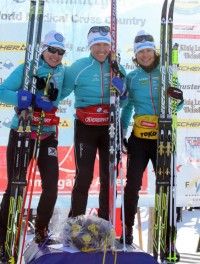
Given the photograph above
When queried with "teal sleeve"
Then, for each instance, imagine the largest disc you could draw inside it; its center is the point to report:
(127, 110)
(123, 101)
(123, 98)
(69, 81)
(122, 70)
(9, 88)
(180, 105)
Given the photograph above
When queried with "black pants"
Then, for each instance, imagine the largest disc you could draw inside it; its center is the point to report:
(140, 151)
(89, 139)
(48, 167)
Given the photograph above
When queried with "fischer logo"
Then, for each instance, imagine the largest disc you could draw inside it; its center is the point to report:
(12, 46)
(188, 123)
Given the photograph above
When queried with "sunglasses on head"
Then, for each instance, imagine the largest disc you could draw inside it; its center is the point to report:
(53, 50)
(144, 38)
(103, 30)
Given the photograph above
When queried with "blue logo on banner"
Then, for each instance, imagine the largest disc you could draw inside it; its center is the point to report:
(8, 64)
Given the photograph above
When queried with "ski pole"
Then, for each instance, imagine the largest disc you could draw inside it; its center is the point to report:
(122, 187)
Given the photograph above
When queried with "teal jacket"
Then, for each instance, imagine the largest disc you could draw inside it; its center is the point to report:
(89, 79)
(9, 88)
(143, 94)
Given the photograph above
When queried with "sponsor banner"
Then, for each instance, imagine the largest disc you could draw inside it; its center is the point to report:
(191, 69)
(186, 36)
(67, 174)
(188, 123)
(187, 7)
(189, 186)
(12, 46)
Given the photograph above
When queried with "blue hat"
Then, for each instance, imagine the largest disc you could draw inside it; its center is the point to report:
(143, 40)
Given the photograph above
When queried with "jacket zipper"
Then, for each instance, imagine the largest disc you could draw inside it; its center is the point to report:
(102, 83)
(151, 93)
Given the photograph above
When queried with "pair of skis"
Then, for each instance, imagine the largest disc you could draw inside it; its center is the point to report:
(164, 236)
(21, 162)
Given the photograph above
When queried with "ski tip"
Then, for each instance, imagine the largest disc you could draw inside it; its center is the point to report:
(171, 9)
(164, 10)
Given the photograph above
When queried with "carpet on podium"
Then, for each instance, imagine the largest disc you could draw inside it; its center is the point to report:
(58, 254)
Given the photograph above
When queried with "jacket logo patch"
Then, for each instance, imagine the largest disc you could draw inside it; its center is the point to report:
(52, 152)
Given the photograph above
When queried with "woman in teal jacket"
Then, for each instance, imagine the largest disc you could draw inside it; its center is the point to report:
(89, 78)
(50, 91)
(143, 86)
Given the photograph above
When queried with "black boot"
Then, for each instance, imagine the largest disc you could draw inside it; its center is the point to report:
(128, 235)
(41, 231)
(41, 235)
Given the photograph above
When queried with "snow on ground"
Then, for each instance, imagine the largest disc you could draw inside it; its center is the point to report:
(187, 235)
